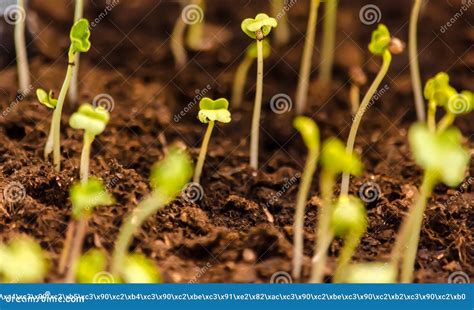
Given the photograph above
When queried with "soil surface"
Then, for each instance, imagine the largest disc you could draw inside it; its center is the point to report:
(241, 228)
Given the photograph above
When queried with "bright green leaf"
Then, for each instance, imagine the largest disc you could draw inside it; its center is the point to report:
(380, 40)
(252, 51)
(371, 273)
(334, 158)
(439, 91)
(87, 196)
(349, 216)
(261, 22)
(308, 130)
(46, 98)
(139, 269)
(80, 34)
(92, 120)
(90, 265)
(214, 110)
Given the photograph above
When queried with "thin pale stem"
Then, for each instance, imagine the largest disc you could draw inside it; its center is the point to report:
(257, 109)
(203, 152)
(195, 31)
(73, 92)
(20, 47)
(177, 43)
(48, 148)
(414, 63)
(302, 197)
(85, 157)
(354, 98)
(329, 42)
(432, 115)
(282, 32)
(351, 241)
(76, 248)
(446, 121)
(387, 59)
(239, 81)
(67, 247)
(305, 68)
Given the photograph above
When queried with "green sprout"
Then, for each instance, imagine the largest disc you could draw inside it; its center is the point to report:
(370, 273)
(282, 32)
(334, 160)
(257, 28)
(414, 63)
(140, 269)
(48, 100)
(358, 79)
(177, 43)
(243, 69)
(73, 91)
(92, 263)
(80, 43)
(85, 197)
(384, 45)
(305, 68)
(329, 41)
(20, 47)
(168, 177)
(310, 133)
(348, 221)
(22, 261)
(210, 112)
(92, 121)
(432, 151)
(194, 37)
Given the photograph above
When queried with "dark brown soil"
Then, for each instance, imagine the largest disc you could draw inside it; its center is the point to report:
(229, 236)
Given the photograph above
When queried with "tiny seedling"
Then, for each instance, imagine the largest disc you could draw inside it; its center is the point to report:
(210, 112)
(334, 160)
(89, 265)
(168, 177)
(310, 133)
(20, 47)
(305, 68)
(92, 121)
(384, 45)
(22, 261)
(329, 41)
(48, 100)
(257, 28)
(85, 197)
(194, 37)
(443, 159)
(243, 69)
(358, 79)
(80, 43)
(177, 43)
(282, 32)
(140, 269)
(369, 273)
(73, 92)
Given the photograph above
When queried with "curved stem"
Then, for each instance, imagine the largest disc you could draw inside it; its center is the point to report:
(354, 98)
(351, 241)
(239, 81)
(177, 44)
(303, 83)
(73, 93)
(195, 31)
(257, 109)
(85, 157)
(20, 47)
(414, 63)
(132, 222)
(282, 32)
(387, 59)
(302, 197)
(329, 42)
(446, 121)
(203, 152)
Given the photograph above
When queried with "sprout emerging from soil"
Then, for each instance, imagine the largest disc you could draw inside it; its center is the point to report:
(73, 92)
(257, 28)
(140, 269)
(243, 69)
(432, 151)
(334, 160)
(210, 112)
(358, 79)
(282, 32)
(194, 38)
(48, 100)
(329, 41)
(384, 45)
(310, 133)
(371, 273)
(22, 261)
(80, 43)
(92, 121)
(168, 177)
(305, 68)
(20, 48)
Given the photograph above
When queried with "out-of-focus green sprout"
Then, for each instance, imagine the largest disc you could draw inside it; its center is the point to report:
(348, 221)
(48, 100)
(168, 177)
(310, 133)
(93, 121)
(414, 63)
(358, 79)
(20, 47)
(22, 261)
(329, 42)
(210, 112)
(257, 28)
(90, 264)
(370, 273)
(194, 38)
(140, 269)
(243, 69)
(443, 159)
(282, 32)
(73, 92)
(334, 160)
(382, 44)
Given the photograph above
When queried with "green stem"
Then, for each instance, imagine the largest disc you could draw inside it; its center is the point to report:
(20, 47)
(324, 235)
(48, 148)
(177, 44)
(203, 152)
(195, 31)
(282, 32)
(73, 93)
(302, 197)
(329, 42)
(239, 81)
(432, 115)
(446, 121)
(387, 59)
(351, 241)
(85, 157)
(414, 63)
(132, 222)
(257, 109)
(305, 68)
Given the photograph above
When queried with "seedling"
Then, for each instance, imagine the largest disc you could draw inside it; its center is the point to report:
(305, 68)
(92, 121)
(194, 38)
(358, 79)
(310, 133)
(381, 45)
(177, 43)
(414, 63)
(243, 69)
(80, 43)
(334, 160)
(371, 273)
(443, 159)
(168, 177)
(140, 269)
(91, 264)
(85, 197)
(73, 92)
(257, 28)
(48, 100)
(282, 32)
(210, 112)
(20, 47)
(22, 261)
(329, 41)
